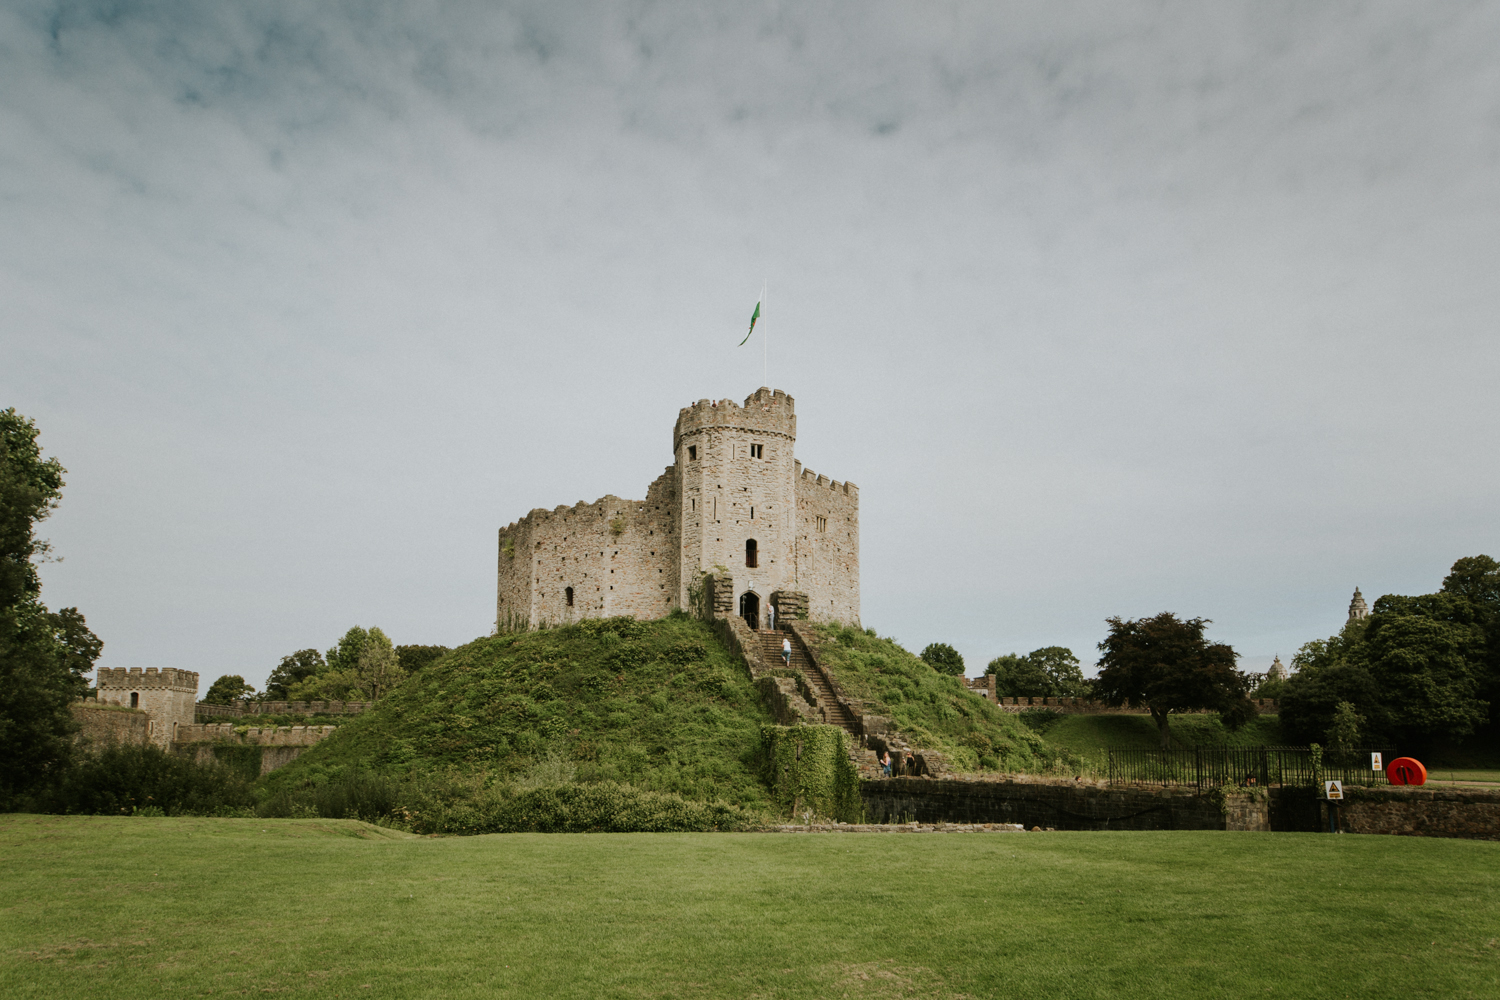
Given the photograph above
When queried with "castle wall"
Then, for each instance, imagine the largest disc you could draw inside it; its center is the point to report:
(737, 469)
(101, 725)
(617, 555)
(828, 546)
(734, 480)
(167, 696)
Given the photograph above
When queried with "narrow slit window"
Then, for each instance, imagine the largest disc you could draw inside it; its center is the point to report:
(568, 593)
(751, 557)
(752, 513)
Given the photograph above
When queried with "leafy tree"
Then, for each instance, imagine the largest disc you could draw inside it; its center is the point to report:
(345, 656)
(30, 489)
(1050, 672)
(43, 656)
(1018, 677)
(943, 658)
(1343, 734)
(1477, 579)
(363, 666)
(1415, 670)
(293, 669)
(379, 668)
(227, 689)
(1165, 665)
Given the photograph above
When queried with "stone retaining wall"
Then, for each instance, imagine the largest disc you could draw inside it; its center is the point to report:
(99, 725)
(1060, 805)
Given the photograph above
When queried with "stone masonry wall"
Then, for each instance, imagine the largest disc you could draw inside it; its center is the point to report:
(617, 555)
(736, 467)
(1058, 805)
(100, 725)
(828, 546)
(167, 695)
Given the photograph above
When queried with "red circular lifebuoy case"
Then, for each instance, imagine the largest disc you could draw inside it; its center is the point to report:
(1406, 771)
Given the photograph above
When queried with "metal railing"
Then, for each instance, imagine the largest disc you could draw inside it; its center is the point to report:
(1211, 767)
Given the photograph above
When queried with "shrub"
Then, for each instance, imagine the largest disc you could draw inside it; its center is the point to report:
(128, 779)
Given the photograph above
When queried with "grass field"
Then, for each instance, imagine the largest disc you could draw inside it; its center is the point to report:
(1463, 777)
(138, 907)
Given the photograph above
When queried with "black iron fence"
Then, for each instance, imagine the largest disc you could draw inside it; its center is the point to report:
(1211, 767)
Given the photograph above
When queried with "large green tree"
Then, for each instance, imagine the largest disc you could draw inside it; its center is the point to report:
(292, 670)
(1417, 670)
(1049, 672)
(943, 658)
(43, 656)
(1164, 664)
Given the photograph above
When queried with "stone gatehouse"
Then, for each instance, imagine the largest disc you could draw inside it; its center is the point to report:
(735, 502)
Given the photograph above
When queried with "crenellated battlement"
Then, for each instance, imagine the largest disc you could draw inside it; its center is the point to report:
(811, 478)
(149, 679)
(765, 411)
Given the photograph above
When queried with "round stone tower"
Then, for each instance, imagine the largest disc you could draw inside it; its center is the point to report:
(737, 496)
(1358, 609)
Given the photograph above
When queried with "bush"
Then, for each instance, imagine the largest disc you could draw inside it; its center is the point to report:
(129, 779)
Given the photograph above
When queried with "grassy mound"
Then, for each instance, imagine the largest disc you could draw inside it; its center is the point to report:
(659, 706)
(932, 710)
(1093, 735)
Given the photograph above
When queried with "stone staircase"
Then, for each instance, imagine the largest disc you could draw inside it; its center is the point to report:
(834, 714)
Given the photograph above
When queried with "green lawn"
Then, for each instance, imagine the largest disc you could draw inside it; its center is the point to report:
(1466, 777)
(136, 907)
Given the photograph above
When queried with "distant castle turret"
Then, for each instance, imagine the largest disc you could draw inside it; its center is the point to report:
(1358, 609)
(1278, 670)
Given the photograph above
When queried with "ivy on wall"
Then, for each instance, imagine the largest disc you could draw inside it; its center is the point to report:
(243, 759)
(809, 770)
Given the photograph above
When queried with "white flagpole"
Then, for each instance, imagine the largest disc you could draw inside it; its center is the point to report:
(764, 343)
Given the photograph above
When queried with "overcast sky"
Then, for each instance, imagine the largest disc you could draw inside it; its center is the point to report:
(1108, 309)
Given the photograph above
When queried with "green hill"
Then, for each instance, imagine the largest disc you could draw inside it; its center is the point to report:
(932, 710)
(658, 705)
(1092, 735)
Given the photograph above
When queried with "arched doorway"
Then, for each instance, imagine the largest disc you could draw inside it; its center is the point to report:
(750, 609)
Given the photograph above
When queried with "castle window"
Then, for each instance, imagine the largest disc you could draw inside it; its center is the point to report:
(568, 593)
(692, 453)
(135, 699)
(822, 524)
(757, 451)
(751, 557)
(752, 513)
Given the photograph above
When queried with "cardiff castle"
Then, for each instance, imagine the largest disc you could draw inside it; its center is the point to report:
(735, 507)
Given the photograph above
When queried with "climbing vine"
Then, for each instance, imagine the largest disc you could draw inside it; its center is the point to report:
(810, 772)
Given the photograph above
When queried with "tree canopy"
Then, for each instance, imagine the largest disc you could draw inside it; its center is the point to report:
(1419, 670)
(44, 656)
(1164, 664)
(227, 690)
(1049, 672)
(363, 666)
(943, 658)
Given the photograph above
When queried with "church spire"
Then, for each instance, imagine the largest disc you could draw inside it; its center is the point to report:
(1358, 609)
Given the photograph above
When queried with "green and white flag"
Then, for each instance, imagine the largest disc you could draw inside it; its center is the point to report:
(753, 317)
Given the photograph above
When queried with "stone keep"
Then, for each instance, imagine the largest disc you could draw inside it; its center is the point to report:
(167, 696)
(735, 501)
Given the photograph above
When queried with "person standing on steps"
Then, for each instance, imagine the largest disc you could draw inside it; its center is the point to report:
(771, 617)
(885, 763)
(786, 651)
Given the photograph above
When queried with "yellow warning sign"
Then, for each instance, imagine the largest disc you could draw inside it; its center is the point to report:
(1333, 789)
